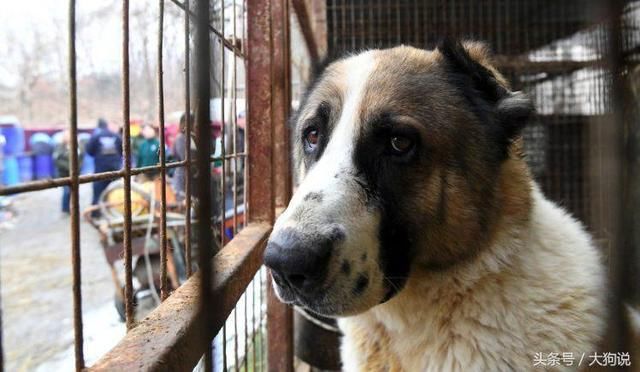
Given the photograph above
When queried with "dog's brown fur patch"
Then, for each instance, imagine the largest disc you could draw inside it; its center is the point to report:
(457, 186)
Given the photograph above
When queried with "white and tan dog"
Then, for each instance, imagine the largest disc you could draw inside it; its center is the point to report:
(418, 225)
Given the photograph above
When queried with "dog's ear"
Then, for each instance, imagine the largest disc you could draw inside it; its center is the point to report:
(470, 69)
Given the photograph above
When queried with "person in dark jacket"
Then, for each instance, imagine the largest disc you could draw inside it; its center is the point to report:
(183, 143)
(105, 145)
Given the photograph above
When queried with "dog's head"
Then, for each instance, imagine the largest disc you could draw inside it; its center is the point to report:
(399, 152)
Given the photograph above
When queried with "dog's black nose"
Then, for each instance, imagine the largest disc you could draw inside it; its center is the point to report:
(298, 261)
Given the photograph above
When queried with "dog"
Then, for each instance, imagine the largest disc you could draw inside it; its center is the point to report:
(418, 225)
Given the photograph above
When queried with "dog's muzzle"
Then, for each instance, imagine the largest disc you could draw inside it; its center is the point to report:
(299, 262)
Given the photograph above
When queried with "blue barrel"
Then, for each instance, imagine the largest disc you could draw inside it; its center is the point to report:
(25, 166)
(43, 166)
(11, 173)
(14, 135)
(41, 143)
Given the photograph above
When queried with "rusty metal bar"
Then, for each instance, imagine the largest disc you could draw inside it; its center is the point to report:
(126, 144)
(234, 125)
(75, 193)
(319, 15)
(523, 64)
(279, 331)
(246, 328)
(300, 8)
(164, 290)
(279, 315)
(259, 129)
(219, 35)
(112, 175)
(261, 301)
(205, 306)
(187, 135)
(281, 98)
(223, 125)
(245, 168)
(244, 33)
(254, 330)
(184, 328)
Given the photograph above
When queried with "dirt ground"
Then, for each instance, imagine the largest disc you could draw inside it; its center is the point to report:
(35, 281)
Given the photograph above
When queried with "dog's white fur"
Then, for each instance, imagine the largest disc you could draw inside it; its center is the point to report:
(539, 289)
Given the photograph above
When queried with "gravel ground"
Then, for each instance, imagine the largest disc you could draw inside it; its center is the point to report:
(35, 281)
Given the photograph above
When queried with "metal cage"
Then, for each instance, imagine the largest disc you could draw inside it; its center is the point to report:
(226, 218)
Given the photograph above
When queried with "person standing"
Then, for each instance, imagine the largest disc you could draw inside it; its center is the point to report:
(187, 142)
(105, 145)
(61, 158)
(179, 153)
(148, 151)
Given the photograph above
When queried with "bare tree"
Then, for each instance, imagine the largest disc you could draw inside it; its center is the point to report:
(33, 67)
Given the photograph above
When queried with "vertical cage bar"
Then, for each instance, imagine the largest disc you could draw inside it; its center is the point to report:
(281, 96)
(622, 255)
(126, 144)
(164, 290)
(208, 360)
(234, 124)
(203, 152)
(75, 192)
(300, 7)
(259, 115)
(246, 329)
(224, 347)
(260, 122)
(254, 330)
(279, 315)
(236, 360)
(245, 168)
(223, 186)
(187, 138)
(223, 124)
(259, 329)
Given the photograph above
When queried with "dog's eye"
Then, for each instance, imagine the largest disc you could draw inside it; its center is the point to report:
(311, 139)
(400, 145)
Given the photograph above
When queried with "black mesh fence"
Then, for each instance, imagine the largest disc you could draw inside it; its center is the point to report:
(556, 51)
